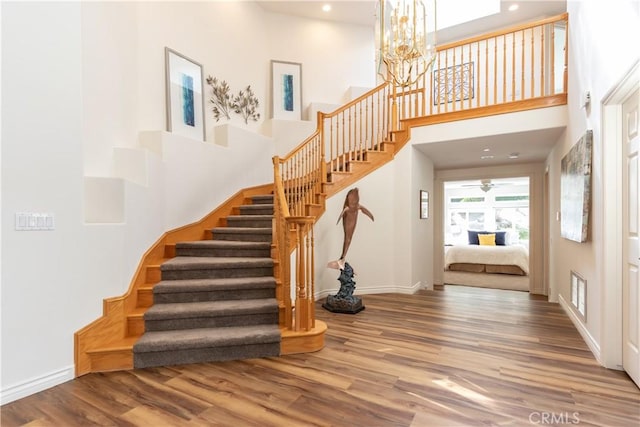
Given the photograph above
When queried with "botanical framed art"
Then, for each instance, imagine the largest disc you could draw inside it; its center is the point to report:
(184, 93)
(456, 80)
(424, 204)
(286, 90)
(575, 190)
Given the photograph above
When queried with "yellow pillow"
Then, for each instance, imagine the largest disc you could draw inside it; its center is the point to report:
(487, 239)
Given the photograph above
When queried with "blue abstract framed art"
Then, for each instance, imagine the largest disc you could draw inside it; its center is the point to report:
(286, 90)
(184, 92)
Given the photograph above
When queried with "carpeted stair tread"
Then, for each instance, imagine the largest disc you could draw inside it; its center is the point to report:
(244, 230)
(259, 216)
(216, 300)
(205, 285)
(258, 205)
(259, 209)
(207, 337)
(250, 221)
(210, 309)
(262, 198)
(223, 244)
(203, 263)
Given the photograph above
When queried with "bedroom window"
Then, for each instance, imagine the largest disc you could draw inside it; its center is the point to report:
(504, 207)
(516, 221)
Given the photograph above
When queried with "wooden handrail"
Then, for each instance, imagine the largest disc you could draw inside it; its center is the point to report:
(353, 102)
(509, 70)
(513, 29)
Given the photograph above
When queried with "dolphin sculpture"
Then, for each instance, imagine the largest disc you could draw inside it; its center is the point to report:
(349, 217)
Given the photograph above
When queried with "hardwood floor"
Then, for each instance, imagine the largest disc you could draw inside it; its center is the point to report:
(455, 357)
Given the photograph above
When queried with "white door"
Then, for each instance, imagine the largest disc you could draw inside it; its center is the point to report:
(631, 234)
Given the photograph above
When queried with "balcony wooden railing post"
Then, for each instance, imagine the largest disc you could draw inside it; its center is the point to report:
(394, 108)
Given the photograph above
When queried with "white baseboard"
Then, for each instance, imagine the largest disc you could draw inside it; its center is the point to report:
(582, 329)
(36, 385)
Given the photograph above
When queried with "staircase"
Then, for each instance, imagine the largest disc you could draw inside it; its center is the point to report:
(216, 298)
(225, 287)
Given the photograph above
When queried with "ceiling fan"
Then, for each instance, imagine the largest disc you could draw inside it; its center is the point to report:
(485, 185)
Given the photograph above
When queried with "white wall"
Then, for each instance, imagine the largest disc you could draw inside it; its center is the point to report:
(42, 271)
(109, 82)
(334, 57)
(596, 63)
(84, 114)
(392, 253)
(422, 234)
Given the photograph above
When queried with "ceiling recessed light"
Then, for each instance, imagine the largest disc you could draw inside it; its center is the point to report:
(486, 150)
(486, 157)
(513, 7)
(514, 155)
(326, 7)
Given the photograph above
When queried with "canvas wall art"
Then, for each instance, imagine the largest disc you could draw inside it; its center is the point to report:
(575, 189)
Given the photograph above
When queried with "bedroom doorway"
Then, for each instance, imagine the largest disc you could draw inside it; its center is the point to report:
(486, 224)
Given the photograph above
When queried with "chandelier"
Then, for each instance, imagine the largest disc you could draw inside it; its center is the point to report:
(406, 39)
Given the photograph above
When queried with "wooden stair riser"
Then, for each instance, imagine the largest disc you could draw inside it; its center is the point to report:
(170, 250)
(135, 325)
(111, 360)
(145, 297)
(315, 210)
(335, 177)
(153, 274)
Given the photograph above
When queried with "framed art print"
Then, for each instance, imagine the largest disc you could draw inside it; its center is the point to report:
(424, 204)
(286, 90)
(184, 93)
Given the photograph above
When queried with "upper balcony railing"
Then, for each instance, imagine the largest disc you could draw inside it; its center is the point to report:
(523, 63)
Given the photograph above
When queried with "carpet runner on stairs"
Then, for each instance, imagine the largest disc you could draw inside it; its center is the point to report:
(216, 300)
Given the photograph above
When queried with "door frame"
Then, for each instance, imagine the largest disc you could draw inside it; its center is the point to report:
(611, 277)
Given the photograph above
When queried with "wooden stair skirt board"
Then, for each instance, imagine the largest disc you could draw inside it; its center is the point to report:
(216, 299)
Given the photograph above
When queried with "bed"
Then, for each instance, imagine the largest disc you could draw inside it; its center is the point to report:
(503, 267)
(488, 259)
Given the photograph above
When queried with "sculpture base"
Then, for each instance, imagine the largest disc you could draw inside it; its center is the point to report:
(350, 305)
